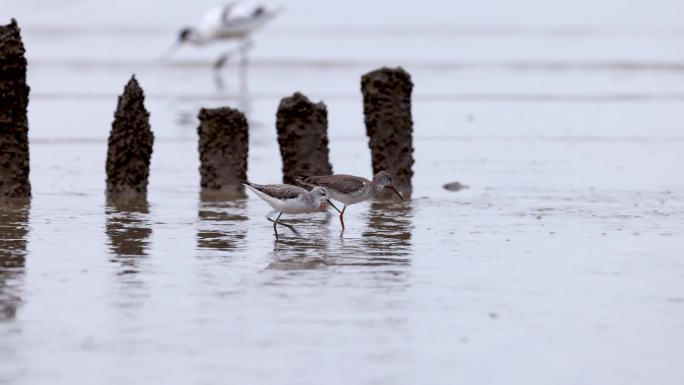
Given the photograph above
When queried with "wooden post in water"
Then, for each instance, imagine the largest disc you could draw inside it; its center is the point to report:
(129, 148)
(303, 137)
(389, 126)
(223, 149)
(14, 97)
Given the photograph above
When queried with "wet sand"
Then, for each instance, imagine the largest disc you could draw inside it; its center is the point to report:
(561, 263)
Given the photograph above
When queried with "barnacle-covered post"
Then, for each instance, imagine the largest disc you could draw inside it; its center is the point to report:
(303, 137)
(14, 97)
(223, 149)
(130, 147)
(389, 126)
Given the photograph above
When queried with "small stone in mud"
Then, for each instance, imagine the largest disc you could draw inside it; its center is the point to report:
(455, 186)
(303, 137)
(129, 147)
(223, 149)
(14, 97)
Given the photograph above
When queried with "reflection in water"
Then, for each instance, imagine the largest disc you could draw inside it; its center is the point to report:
(385, 242)
(389, 230)
(222, 225)
(307, 250)
(13, 232)
(128, 229)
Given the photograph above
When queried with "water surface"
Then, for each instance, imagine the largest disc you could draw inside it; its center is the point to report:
(561, 263)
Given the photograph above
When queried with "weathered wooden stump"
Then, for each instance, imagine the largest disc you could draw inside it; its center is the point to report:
(223, 149)
(14, 97)
(130, 147)
(303, 137)
(389, 126)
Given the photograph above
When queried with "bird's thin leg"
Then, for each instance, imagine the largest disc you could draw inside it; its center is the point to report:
(246, 45)
(242, 49)
(278, 222)
(218, 80)
(333, 206)
(221, 62)
(275, 230)
(218, 65)
(342, 216)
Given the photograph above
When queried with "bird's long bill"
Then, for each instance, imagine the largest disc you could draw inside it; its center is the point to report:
(174, 47)
(333, 206)
(396, 192)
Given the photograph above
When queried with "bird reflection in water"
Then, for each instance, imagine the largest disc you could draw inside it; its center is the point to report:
(222, 226)
(307, 251)
(128, 229)
(13, 233)
(386, 241)
(388, 234)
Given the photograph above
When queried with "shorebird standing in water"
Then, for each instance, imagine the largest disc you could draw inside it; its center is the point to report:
(289, 199)
(350, 189)
(236, 21)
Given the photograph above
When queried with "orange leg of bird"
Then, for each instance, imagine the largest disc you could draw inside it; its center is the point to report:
(342, 216)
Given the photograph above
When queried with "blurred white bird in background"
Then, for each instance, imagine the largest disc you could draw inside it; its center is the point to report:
(234, 22)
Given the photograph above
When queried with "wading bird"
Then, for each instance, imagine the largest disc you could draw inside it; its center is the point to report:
(236, 21)
(289, 199)
(350, 189)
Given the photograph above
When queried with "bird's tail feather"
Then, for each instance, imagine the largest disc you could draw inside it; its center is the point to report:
(252, 186)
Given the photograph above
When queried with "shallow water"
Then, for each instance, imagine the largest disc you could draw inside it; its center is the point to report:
(560, 263)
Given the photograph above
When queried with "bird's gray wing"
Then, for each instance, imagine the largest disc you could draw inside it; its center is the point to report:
(343, 183)
(235, 14)
(280, 191)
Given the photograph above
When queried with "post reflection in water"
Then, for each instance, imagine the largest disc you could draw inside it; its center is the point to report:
(13, 233)
(128, 229)
(388, 235)
(386, 240)
(222, 226)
